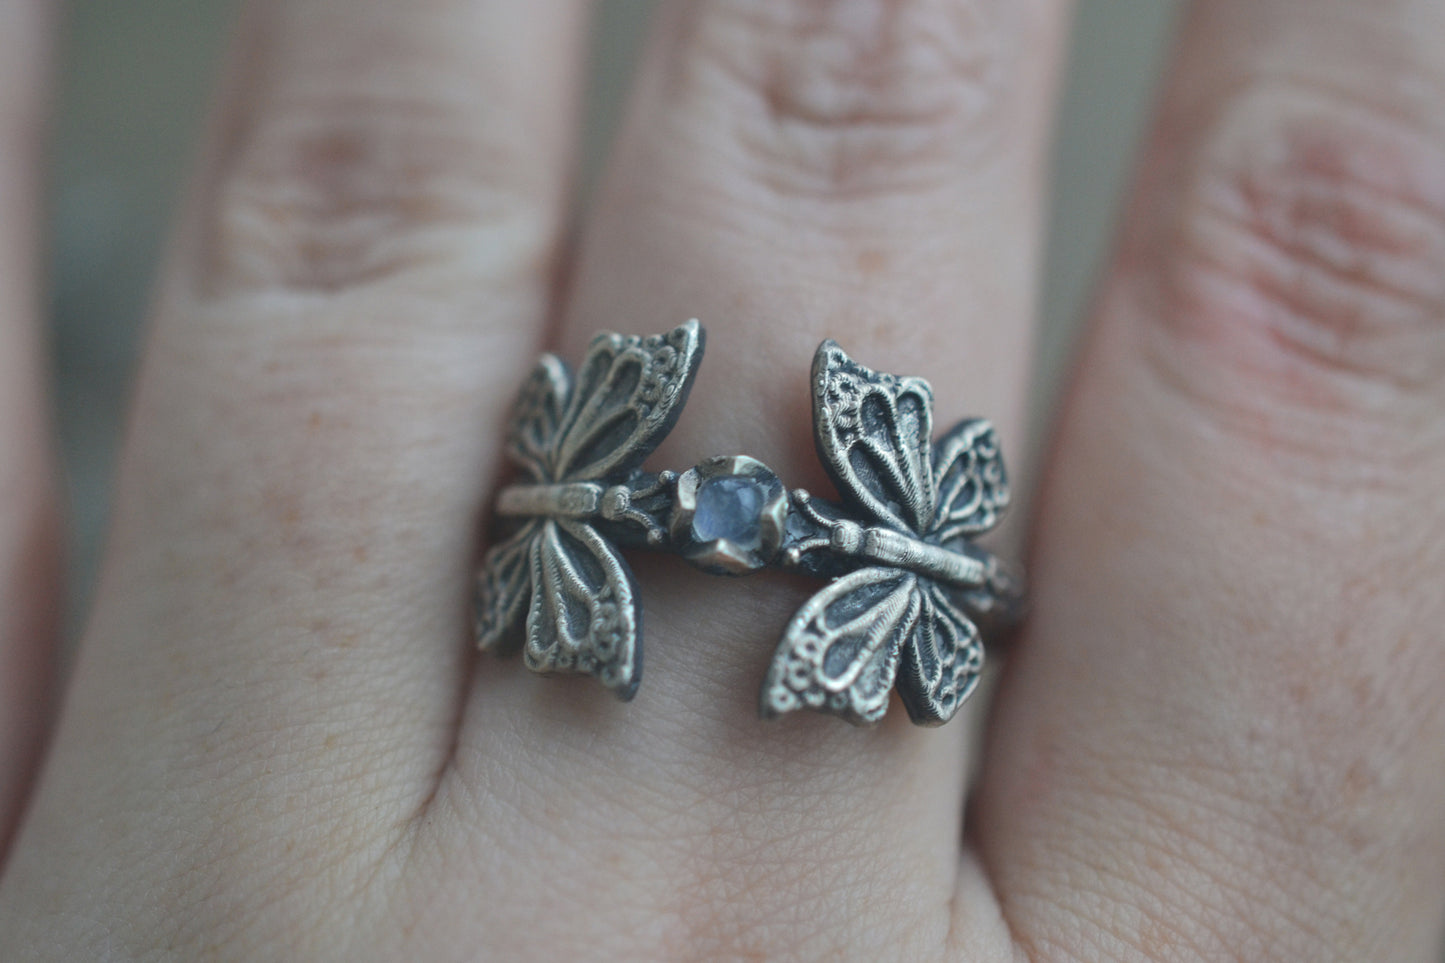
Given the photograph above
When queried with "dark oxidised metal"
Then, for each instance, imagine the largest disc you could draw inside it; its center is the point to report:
(907, 584)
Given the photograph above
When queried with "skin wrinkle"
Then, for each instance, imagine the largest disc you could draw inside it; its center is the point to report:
(1317, 430)
(1320, 229)
(349, 172)
(1173, 847)
(851, 101)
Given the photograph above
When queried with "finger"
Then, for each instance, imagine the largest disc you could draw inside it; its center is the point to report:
(366, 262)
(864, 171)
(29, 532)
(1223, 734)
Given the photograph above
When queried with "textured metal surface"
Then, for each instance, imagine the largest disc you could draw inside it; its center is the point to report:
(907, 509)
(578, 437)
(906, 583)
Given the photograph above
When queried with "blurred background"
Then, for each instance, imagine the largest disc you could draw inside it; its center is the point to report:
(135, 77)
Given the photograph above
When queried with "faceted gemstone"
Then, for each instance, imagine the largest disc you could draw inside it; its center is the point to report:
(729, 507)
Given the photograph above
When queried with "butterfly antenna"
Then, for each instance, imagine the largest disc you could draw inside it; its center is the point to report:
(804, 502)
(619, 503)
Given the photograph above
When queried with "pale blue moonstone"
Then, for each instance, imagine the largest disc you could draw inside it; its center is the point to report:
(729, 507)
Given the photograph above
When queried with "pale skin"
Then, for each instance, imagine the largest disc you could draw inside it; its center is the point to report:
(1219, 736)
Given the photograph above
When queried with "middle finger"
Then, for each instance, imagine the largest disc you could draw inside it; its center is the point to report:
(866, 171)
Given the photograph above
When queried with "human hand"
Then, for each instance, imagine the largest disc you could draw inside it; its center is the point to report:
(1219, 735)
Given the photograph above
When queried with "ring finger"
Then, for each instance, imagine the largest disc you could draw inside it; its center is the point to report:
(791, 171)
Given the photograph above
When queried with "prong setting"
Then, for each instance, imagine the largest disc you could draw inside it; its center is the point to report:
(729, 514)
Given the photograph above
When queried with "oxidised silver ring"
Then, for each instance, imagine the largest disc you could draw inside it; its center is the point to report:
(907, 585)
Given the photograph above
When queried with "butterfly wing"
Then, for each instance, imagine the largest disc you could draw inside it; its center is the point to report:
(872, 431)
(941, 660)
(584, 615)
(537, 418)
(627, 394)
(969, 478)
(504, 585)
(839, 653)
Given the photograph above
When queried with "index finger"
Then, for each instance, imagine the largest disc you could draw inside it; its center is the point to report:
(367, 255)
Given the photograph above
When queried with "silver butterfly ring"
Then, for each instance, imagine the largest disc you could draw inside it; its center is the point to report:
(907, 586)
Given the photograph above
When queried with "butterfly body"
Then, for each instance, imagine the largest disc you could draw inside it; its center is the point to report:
(581, 500)
(888, 547)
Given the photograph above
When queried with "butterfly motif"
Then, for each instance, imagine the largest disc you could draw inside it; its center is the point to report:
(892, 621)
(568, 430)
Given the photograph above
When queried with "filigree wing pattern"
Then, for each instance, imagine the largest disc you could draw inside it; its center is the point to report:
(941, 661)
(627, 394)
(970, 480)
(872, 431)
(504, 584)
(584, 615)
(839, 653)
(537, 417)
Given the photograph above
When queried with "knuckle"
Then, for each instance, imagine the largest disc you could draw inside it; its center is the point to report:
(333, 193)
(855, 97)
(1308, 246)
